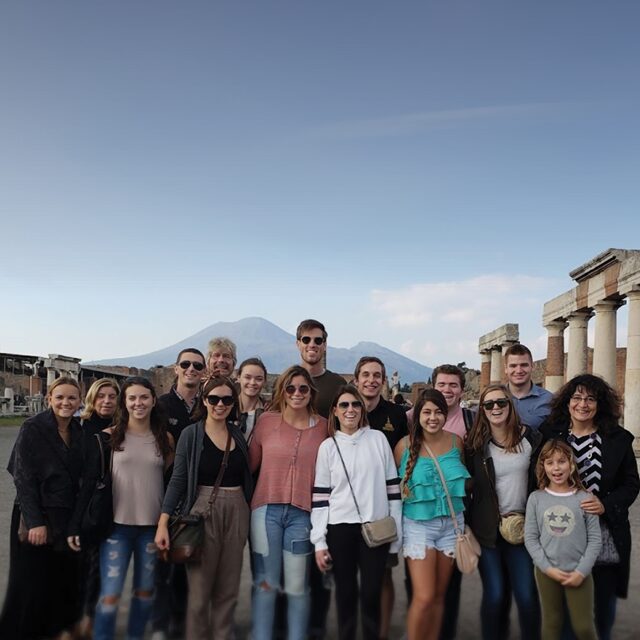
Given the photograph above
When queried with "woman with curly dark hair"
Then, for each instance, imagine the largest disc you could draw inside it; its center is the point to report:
(585, 413)
(141, 450)
(501, 455)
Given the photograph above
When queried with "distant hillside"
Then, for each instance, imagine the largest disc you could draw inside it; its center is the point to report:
(277, 348)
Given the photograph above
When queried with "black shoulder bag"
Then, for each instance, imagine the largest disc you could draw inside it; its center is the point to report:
(97, 520)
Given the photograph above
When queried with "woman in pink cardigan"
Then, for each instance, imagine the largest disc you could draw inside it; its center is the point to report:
(283, 450)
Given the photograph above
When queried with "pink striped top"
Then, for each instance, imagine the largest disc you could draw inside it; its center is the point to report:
(286, 457)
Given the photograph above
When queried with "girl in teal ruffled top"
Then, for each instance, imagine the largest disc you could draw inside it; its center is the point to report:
(428, 531)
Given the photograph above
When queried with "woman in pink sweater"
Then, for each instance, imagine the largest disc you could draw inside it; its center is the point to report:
(283, 450)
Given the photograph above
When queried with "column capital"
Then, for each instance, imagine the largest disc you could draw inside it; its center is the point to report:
(634, 294)
(556, 327)
(607, 305)
(579, 318)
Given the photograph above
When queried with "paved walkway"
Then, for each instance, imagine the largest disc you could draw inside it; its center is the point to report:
(627, 622)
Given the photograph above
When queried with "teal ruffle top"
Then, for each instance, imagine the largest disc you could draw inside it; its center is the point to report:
(427, 499)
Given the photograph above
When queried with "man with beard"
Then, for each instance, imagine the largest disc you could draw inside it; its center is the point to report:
(311, 340)
(178, 405)
(222, 357)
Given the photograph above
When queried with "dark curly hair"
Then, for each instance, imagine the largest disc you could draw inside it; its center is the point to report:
(608, 408)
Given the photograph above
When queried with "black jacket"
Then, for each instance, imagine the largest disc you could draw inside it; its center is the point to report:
(619, 487)
(176, 412)
(482, 514)
(46, 473)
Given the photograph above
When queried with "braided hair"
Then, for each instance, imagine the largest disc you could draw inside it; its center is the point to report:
(416, 435)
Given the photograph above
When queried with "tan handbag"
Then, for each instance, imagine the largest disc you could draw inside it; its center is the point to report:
(512, 527)
(467, 547)
(375, 532)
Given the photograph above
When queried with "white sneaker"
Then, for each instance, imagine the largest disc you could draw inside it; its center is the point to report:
(159, 635)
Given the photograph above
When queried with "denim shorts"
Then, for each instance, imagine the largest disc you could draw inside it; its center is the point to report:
(437, 533)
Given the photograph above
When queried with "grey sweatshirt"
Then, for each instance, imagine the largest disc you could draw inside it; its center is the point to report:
(558, 533)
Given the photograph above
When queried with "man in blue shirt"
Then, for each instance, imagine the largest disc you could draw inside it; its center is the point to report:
(531, 401)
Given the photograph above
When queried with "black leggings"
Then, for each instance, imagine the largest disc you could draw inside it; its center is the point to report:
(351, 554)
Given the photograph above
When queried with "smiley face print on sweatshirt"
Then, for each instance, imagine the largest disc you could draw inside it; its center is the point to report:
(559, 520)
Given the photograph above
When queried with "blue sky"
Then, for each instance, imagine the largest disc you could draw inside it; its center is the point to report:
(412, 173)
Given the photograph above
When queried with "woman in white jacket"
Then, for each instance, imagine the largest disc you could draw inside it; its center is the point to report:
(335, 522)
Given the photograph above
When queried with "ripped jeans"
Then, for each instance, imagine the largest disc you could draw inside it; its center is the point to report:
(280, 541)
(115, 553)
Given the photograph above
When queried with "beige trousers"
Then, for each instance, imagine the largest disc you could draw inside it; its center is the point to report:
(215, 581)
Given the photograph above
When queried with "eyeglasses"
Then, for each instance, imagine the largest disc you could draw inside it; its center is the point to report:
(303, 389)
(318, 340)
(214, 400)
(588, 399)
(501, 403)
(185, 364)
(356, 404)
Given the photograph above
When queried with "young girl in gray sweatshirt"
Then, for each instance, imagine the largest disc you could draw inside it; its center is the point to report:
(563, 542)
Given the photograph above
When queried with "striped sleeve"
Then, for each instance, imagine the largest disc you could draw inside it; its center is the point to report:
(320, 501)
(394, 497)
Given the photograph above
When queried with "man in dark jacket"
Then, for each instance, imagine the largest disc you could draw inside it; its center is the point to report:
(179, 405)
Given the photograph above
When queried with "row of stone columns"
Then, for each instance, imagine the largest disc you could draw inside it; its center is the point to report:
(492, 364)
(604, 351)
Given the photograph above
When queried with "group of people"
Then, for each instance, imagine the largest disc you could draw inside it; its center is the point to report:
(544, 482)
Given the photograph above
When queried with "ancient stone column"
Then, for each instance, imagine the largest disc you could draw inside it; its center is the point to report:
(496, 365)
(51, 377)
(554, 374)
(485, 369)
(577, 356)
(604, 348)
(632, 375)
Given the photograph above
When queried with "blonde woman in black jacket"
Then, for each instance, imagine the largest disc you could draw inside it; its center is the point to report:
(42, 593)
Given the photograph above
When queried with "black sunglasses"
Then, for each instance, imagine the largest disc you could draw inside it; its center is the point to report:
(501, 404)
(185, 364)
(214, 400)
(291, 389)
(356, 404)
(307, 339)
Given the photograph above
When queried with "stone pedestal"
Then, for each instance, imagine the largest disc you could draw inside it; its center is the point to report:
(554, 378)
(604, 350)
(632, 374)
(577, 356)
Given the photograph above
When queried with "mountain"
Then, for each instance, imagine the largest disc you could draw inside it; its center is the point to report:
(277, 348)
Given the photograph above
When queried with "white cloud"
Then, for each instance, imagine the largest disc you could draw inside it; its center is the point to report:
(438, 322)
(415, 123)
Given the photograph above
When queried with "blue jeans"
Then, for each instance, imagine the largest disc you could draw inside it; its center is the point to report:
(280, 540)
(508, 562)
(115, 553)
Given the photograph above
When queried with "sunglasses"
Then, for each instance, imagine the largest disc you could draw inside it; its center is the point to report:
(501, 404)
(307, 339)
(356, 404)
(185, 364)
(214, 400)
(303, 389)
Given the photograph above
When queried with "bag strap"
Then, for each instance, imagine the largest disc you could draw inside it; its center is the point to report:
(223, 468)
(444, 486)
(102, 469)
(344, 466)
